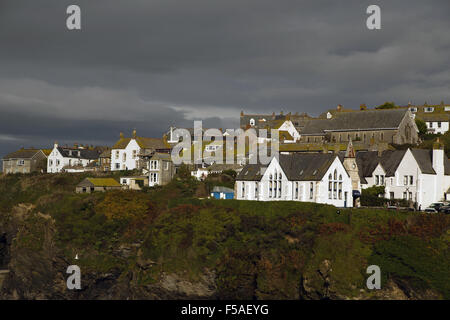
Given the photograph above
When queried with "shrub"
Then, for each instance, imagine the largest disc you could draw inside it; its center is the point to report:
(371, 196)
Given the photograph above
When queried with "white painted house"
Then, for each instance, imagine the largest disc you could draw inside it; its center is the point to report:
(287, 132)
(67, 159)
(437, 126)
(307, 177)
(417, 175)
(125, 153)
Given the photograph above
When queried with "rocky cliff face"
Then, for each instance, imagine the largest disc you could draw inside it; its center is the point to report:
(29, 272)
(33, 267)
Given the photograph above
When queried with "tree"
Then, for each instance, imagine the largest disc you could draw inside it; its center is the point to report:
(421, 125)
(387, 105)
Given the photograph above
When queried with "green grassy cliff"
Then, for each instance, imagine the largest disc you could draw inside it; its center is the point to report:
(163, 243)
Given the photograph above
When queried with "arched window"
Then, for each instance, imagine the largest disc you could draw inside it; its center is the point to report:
(334, 186)
(279, 185)
(270, 185)
(330, 186)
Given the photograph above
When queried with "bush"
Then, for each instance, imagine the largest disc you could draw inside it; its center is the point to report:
(371, 196)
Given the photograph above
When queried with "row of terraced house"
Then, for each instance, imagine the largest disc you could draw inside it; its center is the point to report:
(327, 159)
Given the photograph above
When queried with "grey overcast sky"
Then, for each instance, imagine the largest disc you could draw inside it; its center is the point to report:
(149, 64)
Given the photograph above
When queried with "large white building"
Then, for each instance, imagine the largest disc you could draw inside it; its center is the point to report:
(126, 152)
(313, 177)
(65, 158)
(418, 175)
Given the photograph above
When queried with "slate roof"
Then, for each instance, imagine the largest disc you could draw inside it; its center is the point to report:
(424, 160)
(358, 120)
(22, 154)
(367, 161)
(306, 166)
(251, 172)
(89, 154)
(297, 167)
(245, 119)
(161, 156)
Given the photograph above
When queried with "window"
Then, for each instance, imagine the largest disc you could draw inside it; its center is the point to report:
(243, 190)
(413, 109)
(117, 154)
(296, 190)
(382, 180)
(334, 186)
(335, 190)
(270, 185)
(51, 162)
(330, 186)
(411, 180)
(439, 124)
(279, 185)
(391, 195)
(405, 195)
(410, 196)
(311, 190)
(405, 180)
(154, 177)
(134, 154)
(124, 157)
(429, 109)
(57, 162)
(252, 122)
(20, 162)
(256, 189)
(377, 180)
(154, 164)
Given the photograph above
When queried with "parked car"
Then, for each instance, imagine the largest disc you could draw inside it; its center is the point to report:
(444, 209)
(430, 210)
(436, 205)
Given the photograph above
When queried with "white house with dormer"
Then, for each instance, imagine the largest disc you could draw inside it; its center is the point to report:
(126, 153)
(417, 175)
(65, 158)
(306, 177)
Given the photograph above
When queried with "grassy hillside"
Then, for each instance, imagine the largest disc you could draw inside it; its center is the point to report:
(275, 250)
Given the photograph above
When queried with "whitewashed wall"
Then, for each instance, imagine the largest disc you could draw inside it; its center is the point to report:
(130, 162)
(245, 190)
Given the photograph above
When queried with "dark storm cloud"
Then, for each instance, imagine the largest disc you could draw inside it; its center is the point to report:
(150, 64)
